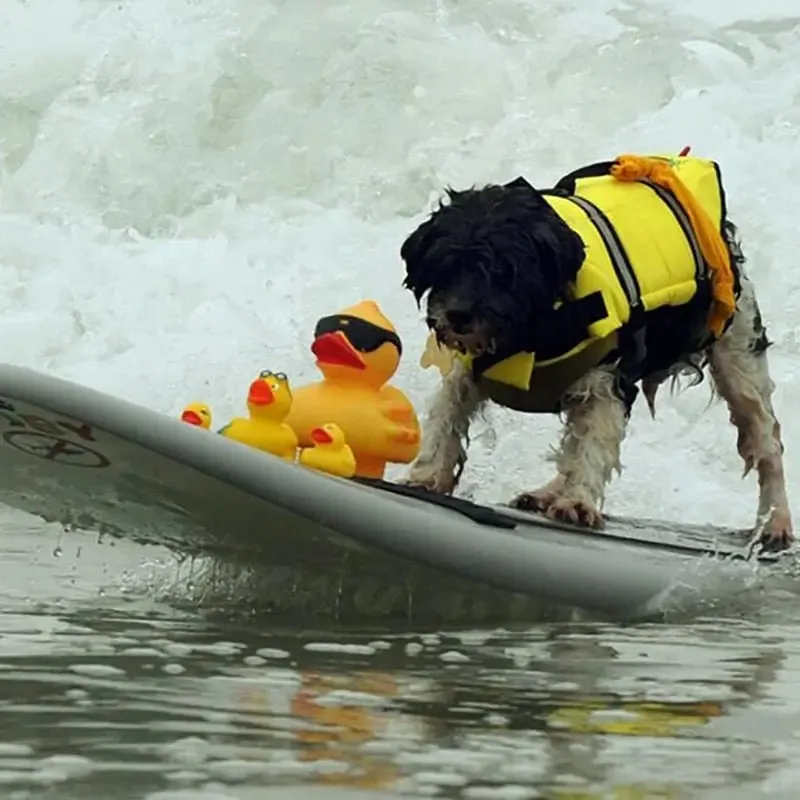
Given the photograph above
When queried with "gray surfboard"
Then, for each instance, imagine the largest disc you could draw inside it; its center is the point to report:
(90, 461)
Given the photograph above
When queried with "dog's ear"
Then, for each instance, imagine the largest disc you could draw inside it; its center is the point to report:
(413, 252)
(430, 250)
(416, 251)
(549, 246)
(561, 251)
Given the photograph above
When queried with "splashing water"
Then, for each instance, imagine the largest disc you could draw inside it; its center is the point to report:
(187, 185)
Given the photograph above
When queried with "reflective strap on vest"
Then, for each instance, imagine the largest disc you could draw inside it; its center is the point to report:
(567, 186)
(616, 250)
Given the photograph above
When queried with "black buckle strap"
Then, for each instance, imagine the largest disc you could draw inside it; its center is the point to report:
(560, 330)
(566, 185)
(556, 332)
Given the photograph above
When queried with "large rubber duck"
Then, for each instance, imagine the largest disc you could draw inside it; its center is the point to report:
(358, 351)
(329, 452)
(269, 400)
(198, 414)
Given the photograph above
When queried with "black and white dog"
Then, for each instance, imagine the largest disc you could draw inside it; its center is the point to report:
(492, 260)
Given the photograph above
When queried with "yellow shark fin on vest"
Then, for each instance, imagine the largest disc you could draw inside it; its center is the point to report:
(515, 371)
(437, 356)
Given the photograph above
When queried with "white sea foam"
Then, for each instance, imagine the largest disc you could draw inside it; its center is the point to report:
(185, 187)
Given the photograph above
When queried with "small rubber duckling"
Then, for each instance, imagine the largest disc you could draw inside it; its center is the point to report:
(198, 414)
(269, 400)
(329, 452)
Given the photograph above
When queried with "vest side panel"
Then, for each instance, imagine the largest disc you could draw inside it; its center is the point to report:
(653, 239)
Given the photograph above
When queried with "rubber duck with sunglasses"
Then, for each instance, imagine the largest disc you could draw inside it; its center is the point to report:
(358, 351)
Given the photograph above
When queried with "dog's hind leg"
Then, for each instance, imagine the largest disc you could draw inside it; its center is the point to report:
(445, 432)
(738, 366)
(595, 423)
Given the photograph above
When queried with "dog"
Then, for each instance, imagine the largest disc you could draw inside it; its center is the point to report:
(492, 263)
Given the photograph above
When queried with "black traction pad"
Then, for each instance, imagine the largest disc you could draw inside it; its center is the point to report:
(480, 514)
(689, 539)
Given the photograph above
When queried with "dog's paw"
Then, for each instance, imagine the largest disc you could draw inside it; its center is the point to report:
(439, 481)
(559, 506)
(539, 499)
(777, 534)
(578, 512)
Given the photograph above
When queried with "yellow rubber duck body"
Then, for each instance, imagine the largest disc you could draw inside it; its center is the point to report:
(357, 351)
(269, 400)
(198, 414)
(329, 453)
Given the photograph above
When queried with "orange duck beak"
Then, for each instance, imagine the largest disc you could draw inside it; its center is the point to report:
(335, 349)
(260, 394)
(321, 436)
(192, 417)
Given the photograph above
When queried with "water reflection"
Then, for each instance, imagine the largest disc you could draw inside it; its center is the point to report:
(92, 699)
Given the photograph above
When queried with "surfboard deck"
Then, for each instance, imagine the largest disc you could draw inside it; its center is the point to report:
(90, 461)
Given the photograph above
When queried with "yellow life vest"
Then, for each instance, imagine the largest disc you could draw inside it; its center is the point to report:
(652, 229)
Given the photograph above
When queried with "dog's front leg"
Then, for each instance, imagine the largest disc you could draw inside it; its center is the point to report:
(445, 432)
(739, 368)
(595, 422)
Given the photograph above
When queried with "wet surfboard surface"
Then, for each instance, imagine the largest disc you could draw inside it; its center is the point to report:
(94, 462)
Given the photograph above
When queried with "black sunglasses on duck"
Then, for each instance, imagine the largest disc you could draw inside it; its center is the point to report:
(364, 336)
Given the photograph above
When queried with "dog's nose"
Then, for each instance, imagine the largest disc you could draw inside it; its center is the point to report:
(458, 320)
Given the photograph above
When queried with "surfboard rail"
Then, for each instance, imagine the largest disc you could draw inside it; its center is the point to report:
(90, 460)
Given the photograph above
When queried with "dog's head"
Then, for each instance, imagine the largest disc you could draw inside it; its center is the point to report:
(489, 261)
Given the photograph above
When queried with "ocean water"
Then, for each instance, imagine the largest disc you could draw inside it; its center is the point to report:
(185, 187)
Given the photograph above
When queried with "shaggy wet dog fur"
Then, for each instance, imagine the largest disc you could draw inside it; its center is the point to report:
(490, 263)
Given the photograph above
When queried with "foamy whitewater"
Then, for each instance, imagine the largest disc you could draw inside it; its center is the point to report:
(187, 185)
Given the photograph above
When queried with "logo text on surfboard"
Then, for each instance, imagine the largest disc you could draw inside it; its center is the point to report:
(50, 439)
